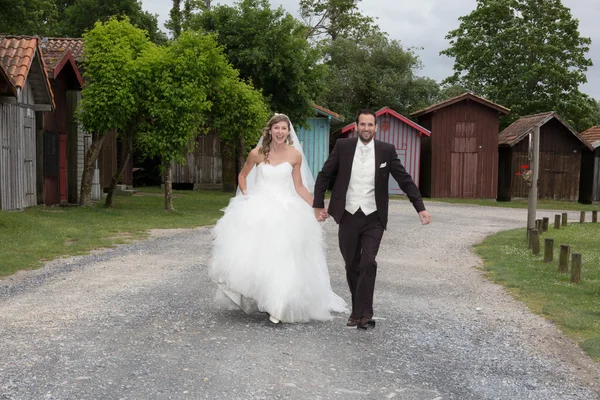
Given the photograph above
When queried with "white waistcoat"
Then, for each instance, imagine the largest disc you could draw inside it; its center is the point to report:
(361, 190)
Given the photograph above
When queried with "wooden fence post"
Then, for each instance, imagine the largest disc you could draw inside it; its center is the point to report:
(564, 219)
(576, 268)
(557, 221)
(548, 250)
(535, 241)
(538, 225)
(594, 216)
(545, 222)
(582, 217)
(563, 259)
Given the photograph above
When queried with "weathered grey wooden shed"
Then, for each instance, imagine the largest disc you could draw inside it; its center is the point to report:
(24, 92)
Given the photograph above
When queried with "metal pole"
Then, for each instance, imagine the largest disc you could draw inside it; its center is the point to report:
(535, 167)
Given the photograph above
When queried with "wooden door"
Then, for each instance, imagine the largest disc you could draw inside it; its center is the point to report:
(464, 160)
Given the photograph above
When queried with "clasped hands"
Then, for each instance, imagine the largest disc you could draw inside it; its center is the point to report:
(321, 214)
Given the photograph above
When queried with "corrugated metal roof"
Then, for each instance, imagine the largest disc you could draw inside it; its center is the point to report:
(462, 97)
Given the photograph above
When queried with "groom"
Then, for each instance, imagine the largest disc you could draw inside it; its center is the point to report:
(359, 204)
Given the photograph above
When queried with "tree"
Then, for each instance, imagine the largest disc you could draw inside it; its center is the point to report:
(525, 54)
(28, 17)
(373, 73)
(335, 19)
(108, 98)
(269, 48)
(81, 15)
(186, 89)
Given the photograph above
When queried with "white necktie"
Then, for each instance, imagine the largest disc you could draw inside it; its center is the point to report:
(364, 152)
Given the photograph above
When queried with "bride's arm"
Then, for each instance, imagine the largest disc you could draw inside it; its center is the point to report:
(251, 161)
(297, 177)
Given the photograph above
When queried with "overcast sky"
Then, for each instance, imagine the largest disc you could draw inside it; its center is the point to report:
(425, 23)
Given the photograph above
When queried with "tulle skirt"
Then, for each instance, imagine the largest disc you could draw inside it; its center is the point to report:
(268, 255)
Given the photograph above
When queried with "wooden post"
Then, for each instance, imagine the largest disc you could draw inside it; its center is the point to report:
(594, 216)
(545, 223)
(534, 157)
(557, 221)
(576, 268)
(548, 250)
(582, 217)
(538, 225)
(535, 242)
(564, 219)
(563, 258)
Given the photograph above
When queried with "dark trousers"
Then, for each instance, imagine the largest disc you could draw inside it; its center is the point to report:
(359, 237)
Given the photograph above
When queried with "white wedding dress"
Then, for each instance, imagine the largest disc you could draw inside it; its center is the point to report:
(268, 252)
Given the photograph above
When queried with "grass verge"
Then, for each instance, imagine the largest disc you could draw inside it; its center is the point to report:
(575, 308)
(542, 204)
(38, 234)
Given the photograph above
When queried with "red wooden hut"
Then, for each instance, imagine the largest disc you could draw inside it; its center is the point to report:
(60, 134)
(403, 133)
(560, 158)
(460, 158)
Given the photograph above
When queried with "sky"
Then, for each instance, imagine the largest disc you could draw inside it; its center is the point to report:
(424, 24)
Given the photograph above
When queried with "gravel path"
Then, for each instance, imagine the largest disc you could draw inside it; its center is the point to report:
(138, 322)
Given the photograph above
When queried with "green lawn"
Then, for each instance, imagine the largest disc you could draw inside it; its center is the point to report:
(522, 203)
(575, 308)
(40, 234)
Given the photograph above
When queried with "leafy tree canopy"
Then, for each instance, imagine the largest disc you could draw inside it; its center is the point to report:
(525, 54)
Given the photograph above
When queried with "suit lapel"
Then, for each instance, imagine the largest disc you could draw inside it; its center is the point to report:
(351, 153)
(378, 159)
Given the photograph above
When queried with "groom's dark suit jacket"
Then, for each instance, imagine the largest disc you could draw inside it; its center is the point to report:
(340, 163)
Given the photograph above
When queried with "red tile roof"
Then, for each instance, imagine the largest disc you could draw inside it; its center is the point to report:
(464, 96)
(519, 129)
(387, 110)
(60, 45)
(592, 136)
(56, 60)
(17, 55)
(328, 112)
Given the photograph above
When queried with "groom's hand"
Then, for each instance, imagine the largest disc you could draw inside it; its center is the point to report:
(425, 217)
(320, 214)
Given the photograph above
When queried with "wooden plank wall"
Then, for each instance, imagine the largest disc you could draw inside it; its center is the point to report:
(464, 141)
(203, 165)
(18, 154)
(596, 184)
(315, 143)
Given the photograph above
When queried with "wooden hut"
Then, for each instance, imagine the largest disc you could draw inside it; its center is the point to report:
(62, 142)
(589, 187)
(404, 134)
(460, 159)
(109, 158)
(560, 158)
(315, 138)
(24, 92)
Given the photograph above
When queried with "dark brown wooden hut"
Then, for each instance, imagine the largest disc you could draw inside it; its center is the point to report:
(460, 158)
(560, 158)
(61, 156)
(589, 187)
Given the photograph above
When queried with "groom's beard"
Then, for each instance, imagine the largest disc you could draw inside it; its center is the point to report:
(365, 141)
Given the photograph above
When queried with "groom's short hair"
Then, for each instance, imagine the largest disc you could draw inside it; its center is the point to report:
(365, 111)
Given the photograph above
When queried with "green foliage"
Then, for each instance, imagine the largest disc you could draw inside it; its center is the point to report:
(525, 54)
(108, 98)
(81, 16)
(573, 307)
(28, 17)
(335, 19)
(174, 87)
(268, 48)
(375, 72)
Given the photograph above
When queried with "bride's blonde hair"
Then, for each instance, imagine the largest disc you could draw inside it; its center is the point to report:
(267, 139)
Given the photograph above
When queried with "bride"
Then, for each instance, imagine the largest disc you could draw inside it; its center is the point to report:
(268, 250)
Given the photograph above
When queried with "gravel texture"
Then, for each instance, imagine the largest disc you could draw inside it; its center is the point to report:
(138, 322)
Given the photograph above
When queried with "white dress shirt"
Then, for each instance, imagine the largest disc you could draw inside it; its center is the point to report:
(361, 190)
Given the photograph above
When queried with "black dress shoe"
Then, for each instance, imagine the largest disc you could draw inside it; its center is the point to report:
(365, 323)
(352, 321)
